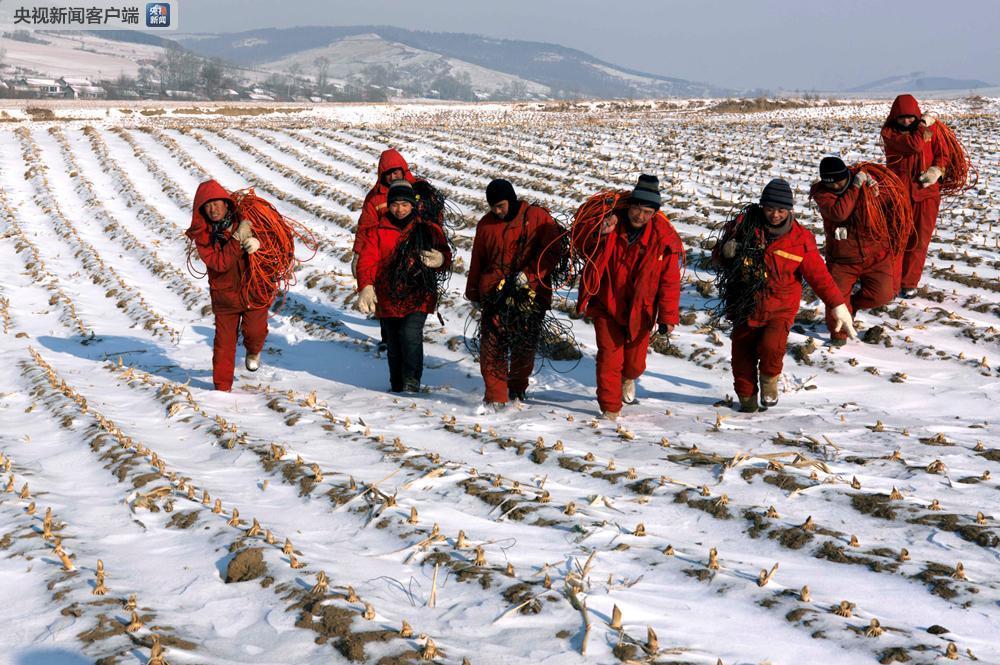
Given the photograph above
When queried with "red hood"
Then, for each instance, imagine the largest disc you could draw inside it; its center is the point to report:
(391, 159)
(903, 105)
(210, 190)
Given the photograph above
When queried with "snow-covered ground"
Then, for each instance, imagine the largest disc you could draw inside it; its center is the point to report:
(372, 527)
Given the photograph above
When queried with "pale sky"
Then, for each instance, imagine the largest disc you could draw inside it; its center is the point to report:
(793, 44)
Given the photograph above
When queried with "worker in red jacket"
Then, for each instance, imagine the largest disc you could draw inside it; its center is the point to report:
(786, 252)
(631, 286)
(224, 242)
(852, 254)
(513, 251)
(391, 167)
(400, 258)
(915, 151)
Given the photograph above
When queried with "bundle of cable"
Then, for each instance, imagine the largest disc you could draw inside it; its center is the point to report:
(272, 266)
(887, 215)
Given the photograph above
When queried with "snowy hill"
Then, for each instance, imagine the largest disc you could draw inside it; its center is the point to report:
(919, 82)
(358, 53)
(311, 517)
(567, 72)
(79, 54)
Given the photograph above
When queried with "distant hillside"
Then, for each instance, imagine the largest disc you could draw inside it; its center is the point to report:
(918, 82)
(537, 66)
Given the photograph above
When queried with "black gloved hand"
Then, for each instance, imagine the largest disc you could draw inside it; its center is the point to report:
(663, 329)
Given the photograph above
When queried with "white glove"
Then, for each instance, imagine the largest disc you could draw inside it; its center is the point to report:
(844, 321)
(861, 179)
(930, 176)
(928, 119)
(729, 249)
(367, 300)
(250, 245)
(522, 279)
(432, 258)
(243, 231)
(609, 224)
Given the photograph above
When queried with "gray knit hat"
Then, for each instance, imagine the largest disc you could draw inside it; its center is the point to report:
(777, 194)
(647, 192)
(401, 190)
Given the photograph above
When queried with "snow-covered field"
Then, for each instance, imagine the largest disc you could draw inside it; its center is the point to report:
(379, 528)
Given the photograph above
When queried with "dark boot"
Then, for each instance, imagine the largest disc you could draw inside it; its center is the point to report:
(748, 404)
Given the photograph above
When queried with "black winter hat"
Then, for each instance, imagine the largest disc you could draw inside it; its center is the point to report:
(777, 194)
(401, 190)
(832, 169)
(500, 190)
(647, 192)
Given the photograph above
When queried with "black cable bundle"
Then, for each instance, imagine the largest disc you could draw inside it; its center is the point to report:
(434, 206)
(404, 277)
(741, 280)
(512, 319)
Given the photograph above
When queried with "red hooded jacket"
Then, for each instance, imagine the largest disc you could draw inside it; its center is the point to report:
(226, 263)
(375, 202)
(788, 260)
(377, 248)
(503, 248)
(638, 284)
(908, 154)
(842, 210)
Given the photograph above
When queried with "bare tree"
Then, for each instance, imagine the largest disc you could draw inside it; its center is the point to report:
(322, 64)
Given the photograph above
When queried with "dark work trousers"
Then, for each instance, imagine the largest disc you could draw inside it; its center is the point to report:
(404, 345)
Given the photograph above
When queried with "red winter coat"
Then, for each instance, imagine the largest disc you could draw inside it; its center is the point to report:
(638, 285)
(908, 154)
(225, 264)
(503, 248)
(788, 260)
(842, 210)
(378, 245)
(375, 202)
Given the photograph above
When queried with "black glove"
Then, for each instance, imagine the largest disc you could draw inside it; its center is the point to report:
(663, 329)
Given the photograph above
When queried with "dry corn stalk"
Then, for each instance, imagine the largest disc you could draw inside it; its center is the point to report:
(322, 584)
(713, 559)
(217, 508)
(156, 652)
(895, 495)
(369, 612)
(844, 609)
(764, 577)
(295, 563)
(855, 483)
(135, 624)
(804, 594)
(959, 573)
(254, 528)
(616, 618)
(640, 529)
(30, 510)
(460, 541)
(669, 550)
(809, 525)
(405, 631)
(480, 559)
(771, 513)
(235, 519)
(430, 651)
(287, 549)
(652, 644)
(432, 601)
(67, 564)
(874, 629)
(854, 542)
(25, 493)
(131, 603)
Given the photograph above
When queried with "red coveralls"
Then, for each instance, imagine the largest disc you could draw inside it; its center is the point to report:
(375, 202)
(639, 286)
(760, 342)
(225, 265)
(857, 257)
(503, 249)
(908, 154)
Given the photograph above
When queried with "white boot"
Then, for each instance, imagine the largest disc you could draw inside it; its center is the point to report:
(628, 391)
(253, 361)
